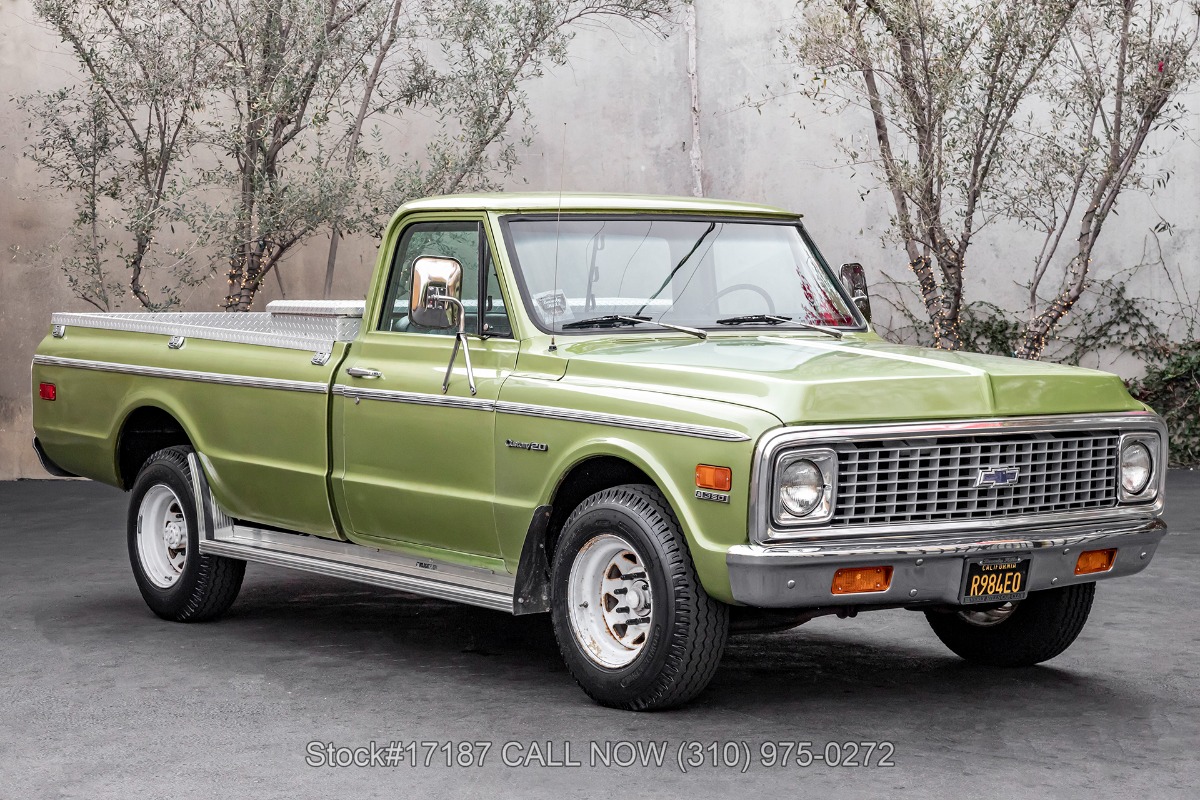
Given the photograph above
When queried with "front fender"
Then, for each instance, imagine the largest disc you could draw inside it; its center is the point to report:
(529, 478)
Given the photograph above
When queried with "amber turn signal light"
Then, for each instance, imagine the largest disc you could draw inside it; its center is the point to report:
(48, 391)
(1091, 561)
(862, 579)
(719, 479)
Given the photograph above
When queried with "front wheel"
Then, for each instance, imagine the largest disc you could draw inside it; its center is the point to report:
(633, 623)
(176, 581)
(1018, 634)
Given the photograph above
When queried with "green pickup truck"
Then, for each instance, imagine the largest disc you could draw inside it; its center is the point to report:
(657, 419)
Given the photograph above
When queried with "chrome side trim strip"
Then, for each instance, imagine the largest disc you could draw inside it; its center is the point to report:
(415, 398)
(621, 421)
(544, 412)
(183, 374)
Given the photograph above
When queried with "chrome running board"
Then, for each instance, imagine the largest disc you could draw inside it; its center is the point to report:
(222, 536)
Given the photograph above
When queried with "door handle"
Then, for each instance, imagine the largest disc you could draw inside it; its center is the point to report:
(363, 372)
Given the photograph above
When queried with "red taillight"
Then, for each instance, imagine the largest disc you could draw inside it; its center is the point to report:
(47, 391)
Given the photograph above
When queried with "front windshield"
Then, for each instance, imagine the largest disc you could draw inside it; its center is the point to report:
(683, 272)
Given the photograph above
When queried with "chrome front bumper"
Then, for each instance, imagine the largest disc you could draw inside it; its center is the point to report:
(928, 569)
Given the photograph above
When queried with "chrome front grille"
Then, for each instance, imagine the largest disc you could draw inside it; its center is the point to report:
(933, 479)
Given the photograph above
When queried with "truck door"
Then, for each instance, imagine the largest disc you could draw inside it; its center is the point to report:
(411, 464)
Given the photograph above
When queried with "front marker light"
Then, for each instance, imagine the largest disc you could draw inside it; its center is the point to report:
(1092, 561)
(801, 487)
(860, 580)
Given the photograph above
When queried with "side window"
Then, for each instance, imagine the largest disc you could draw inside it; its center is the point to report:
(462, 241)
(495, 315)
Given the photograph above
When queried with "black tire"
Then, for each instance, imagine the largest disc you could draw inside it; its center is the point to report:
(1041, 627)
(687, 630)
(207, 585)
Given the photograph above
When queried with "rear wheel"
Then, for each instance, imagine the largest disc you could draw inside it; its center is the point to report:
(633, 623)
(176, 581)
(1018, 634)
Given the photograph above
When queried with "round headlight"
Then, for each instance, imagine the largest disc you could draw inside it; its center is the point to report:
(801, 487)
(1135, 468)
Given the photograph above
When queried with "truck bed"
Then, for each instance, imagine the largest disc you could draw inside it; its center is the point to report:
(252, 390)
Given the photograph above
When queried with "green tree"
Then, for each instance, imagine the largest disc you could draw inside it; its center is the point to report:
(247, 128)
(986, 110)
(115, 143)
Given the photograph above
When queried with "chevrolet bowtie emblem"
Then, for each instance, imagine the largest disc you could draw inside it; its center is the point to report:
(996, 476)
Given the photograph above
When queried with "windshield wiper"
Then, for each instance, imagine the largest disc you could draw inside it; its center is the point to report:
(609, 321)
(613, 320)
(771, 319)
(751, 319)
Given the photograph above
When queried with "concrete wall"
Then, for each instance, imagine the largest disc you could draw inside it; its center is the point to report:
(625, 101)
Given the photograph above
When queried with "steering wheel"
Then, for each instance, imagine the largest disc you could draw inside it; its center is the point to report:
(749, 287)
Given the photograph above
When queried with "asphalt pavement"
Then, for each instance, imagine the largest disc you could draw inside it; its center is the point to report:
(101, 699)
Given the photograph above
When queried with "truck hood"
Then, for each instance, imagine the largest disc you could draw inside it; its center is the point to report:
(806, 378)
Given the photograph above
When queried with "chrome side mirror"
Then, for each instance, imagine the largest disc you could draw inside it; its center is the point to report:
(435, 303)
(436, 287)
(854, 278)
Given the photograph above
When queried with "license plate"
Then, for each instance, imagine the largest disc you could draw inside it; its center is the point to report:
(998, 579)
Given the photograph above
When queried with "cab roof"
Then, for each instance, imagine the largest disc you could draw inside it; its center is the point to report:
(574, 202)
